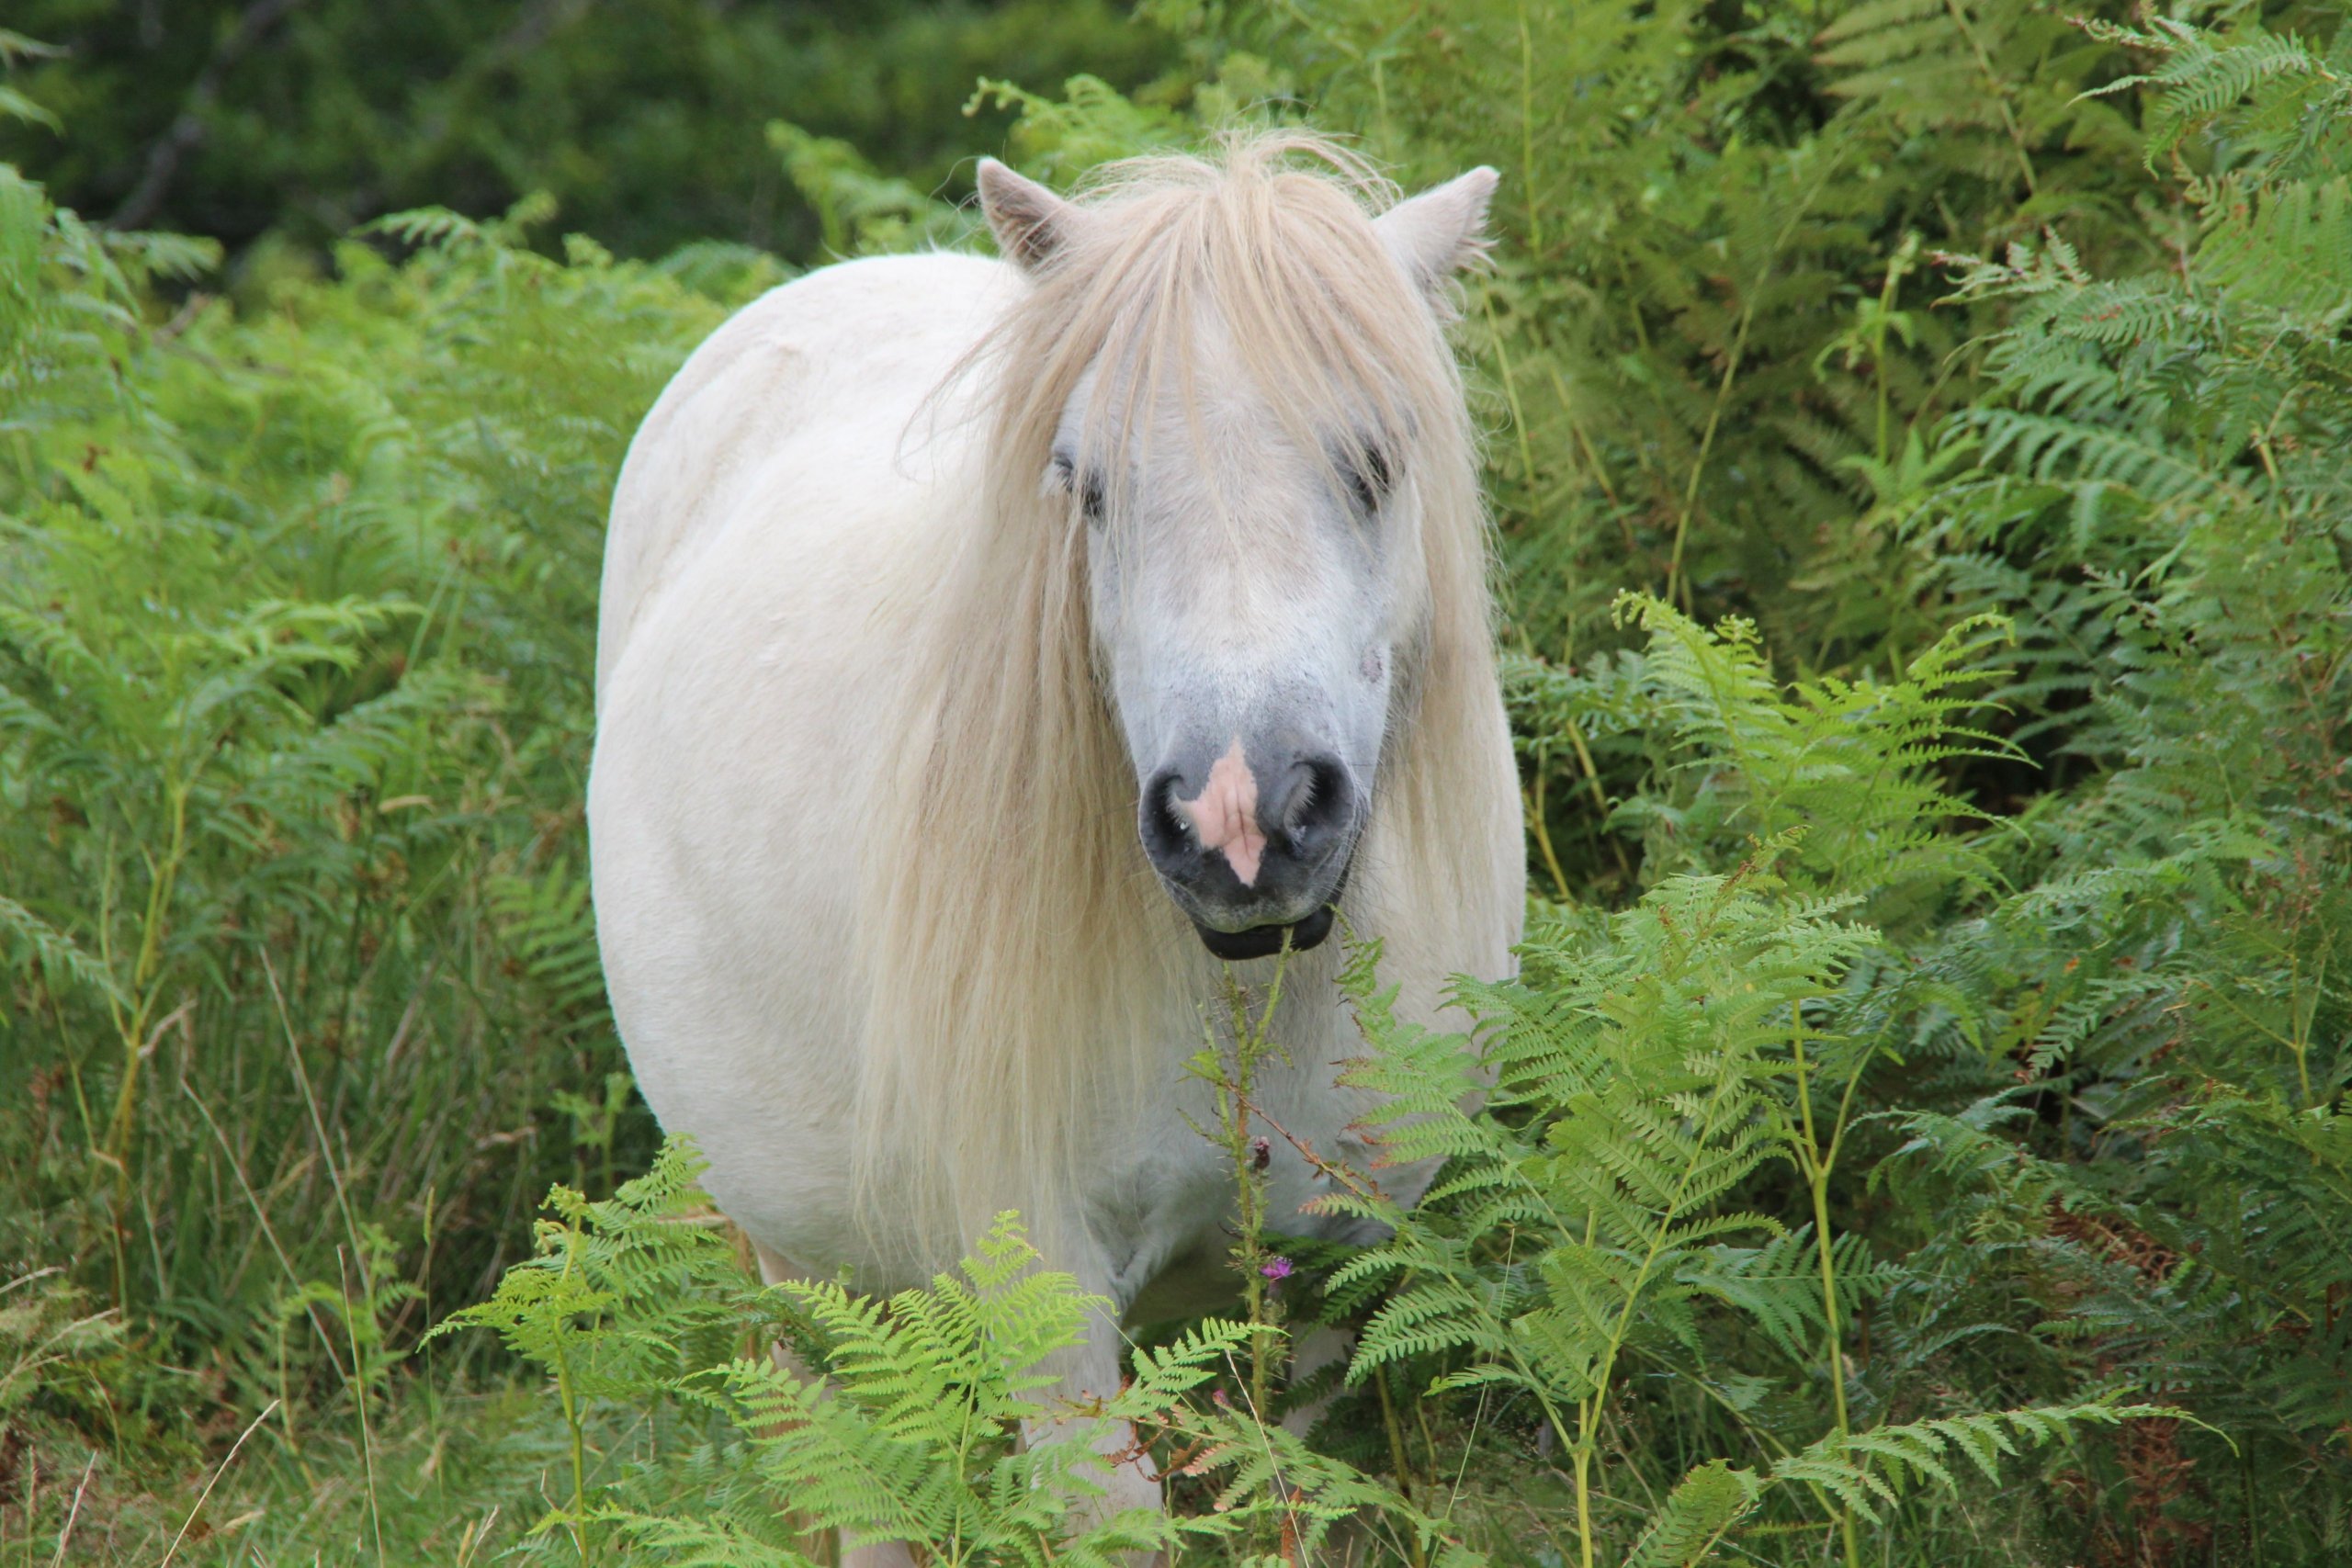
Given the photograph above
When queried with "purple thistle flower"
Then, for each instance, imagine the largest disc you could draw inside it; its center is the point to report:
(1276, 1268)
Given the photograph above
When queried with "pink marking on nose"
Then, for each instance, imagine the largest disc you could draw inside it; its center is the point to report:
(1225, 814)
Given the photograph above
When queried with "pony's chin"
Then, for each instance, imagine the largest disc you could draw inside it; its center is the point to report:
(1264, 941)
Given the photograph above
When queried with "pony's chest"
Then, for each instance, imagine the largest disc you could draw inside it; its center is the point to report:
(1165, 1214)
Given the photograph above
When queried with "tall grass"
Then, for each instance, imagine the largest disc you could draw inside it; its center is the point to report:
(296, 598)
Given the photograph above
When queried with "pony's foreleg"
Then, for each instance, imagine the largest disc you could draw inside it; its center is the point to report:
(1129, 1483)
(825, 1545)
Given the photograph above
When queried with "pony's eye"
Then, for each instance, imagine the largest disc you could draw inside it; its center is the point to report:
(1369, 478)
(1088, 490)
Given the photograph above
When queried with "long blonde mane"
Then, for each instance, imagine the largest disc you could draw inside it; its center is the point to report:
(1017, 952)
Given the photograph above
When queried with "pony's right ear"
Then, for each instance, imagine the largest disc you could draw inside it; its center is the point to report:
(1030, 222)
(1435, 234)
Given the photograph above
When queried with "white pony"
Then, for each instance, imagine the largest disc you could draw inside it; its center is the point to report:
(994, 651)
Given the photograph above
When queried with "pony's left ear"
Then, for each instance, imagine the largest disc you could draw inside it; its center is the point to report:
(1435, 234)
(1030, 222)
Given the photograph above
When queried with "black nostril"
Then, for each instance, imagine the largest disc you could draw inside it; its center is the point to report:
(1167, 837)
(1317, 806)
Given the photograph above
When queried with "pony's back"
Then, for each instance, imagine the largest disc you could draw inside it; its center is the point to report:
(812, 361)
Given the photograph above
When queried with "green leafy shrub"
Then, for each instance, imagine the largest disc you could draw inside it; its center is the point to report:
(1653, 1074)
(914, 1427)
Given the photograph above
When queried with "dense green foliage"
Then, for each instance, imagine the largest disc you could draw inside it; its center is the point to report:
(1935, 1029)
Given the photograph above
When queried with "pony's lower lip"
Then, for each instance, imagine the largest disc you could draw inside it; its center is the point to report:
(1264, 941)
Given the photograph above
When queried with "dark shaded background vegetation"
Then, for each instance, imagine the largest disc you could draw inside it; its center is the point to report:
(304, 119)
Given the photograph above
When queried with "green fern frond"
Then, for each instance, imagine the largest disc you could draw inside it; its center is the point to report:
(1867, 1470)
(1697, 1515)
(2202, 74)
(61, 958)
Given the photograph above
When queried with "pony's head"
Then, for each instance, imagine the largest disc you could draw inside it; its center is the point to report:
(1230, 384)
(1224, 583)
